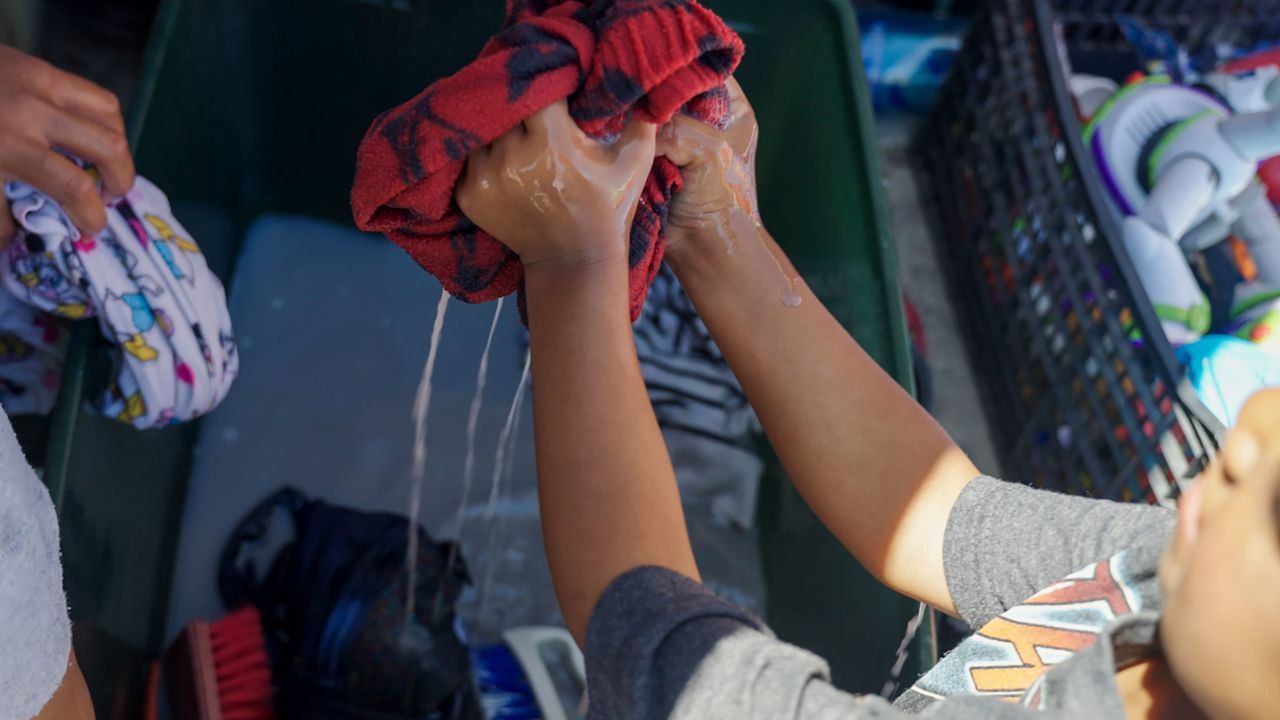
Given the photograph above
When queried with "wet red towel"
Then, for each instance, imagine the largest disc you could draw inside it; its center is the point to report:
(613, 59)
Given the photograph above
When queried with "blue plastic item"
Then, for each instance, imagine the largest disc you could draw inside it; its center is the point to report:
(1160, 52)
(907, 57)
(1226, 371)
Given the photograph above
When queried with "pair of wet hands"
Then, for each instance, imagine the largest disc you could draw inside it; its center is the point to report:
(555, 196)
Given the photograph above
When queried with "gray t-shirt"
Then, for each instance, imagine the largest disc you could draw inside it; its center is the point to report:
(1063, 590)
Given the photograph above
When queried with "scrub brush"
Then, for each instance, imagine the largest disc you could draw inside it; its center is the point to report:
(216, 671)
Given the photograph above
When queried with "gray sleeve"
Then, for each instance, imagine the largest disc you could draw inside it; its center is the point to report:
(662, 647)
(35, 634)
(659, 646)
(1005, 542)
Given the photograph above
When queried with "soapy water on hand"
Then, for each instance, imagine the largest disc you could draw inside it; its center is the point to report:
(544, 184)
(736, 149)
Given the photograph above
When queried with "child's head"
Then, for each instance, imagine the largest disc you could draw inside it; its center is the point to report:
(1221, 574)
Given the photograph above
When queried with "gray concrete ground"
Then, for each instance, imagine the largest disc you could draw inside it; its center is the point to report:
(957, 401)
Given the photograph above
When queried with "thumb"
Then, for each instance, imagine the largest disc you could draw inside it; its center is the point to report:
(637, 132)
(685, 141)
(635, 146)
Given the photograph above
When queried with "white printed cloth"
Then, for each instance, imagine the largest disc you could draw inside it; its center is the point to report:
(146, 281)
(32, 345)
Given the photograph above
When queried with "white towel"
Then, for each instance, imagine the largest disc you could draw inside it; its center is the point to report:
(35, 632)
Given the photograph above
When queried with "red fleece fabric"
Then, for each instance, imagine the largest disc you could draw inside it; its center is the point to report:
(614, 60)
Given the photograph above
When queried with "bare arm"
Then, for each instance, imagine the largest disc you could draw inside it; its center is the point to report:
(71, 701)
(874, 466)
(607, 491)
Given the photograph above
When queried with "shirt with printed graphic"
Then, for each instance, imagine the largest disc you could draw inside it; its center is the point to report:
(1063, 590)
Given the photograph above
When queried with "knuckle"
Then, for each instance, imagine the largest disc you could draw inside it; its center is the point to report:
(117, 148)
(38, 73)
(78, 187)
(466, 193)
(112, 103)
(26, 109)
(464, 198)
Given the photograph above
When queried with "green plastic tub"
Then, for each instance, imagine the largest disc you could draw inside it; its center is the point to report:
(253, 106)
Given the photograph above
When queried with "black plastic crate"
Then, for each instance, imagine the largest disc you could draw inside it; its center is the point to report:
(1084, 392)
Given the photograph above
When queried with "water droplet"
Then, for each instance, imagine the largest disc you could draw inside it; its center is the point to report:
(792, 298)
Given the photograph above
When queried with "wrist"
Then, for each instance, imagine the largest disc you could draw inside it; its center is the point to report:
(571, 294)
(578, 258)
(687, 245)
(588, 268)
(689, 249)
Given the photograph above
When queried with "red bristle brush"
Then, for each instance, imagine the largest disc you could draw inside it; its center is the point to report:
(216, 671)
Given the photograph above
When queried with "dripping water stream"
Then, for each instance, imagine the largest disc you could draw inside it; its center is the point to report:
(421, 406)
(503, 465)
(468, 472)
(904, 650)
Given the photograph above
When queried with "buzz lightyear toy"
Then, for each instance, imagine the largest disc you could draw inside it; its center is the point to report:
(1180, 165)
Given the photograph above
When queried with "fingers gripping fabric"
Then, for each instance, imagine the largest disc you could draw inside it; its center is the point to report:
(615, 60)
(151, 290)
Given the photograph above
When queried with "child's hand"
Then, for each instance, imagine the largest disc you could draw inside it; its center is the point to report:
(554, 195)
(718, 202)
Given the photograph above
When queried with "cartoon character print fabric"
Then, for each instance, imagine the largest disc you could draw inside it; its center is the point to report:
(149, 286)
(615, 60)
(32, 345)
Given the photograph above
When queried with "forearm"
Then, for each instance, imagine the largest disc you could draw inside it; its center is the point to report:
(874, 466)
(608, 495)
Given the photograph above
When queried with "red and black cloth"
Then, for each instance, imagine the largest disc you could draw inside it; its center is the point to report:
(615, 60)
